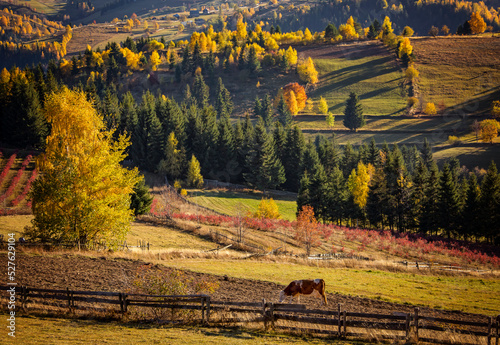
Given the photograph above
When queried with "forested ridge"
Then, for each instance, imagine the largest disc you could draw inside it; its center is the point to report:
(388, 186)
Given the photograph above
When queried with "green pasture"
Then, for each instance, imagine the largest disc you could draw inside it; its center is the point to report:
(46, 330)
(460, 89)
(465, 293)
(232, 203)
(48, 7)
(470, 156)
(375, 79)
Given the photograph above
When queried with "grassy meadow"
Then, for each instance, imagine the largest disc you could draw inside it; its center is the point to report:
(232, 203)
(49, 330)
(459, 74)
(465, 293)
(369, 70)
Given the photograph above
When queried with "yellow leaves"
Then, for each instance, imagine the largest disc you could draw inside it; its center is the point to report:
(132, 58)
(291, 56)
(307, 71)
(155, 60)
(241, 29)
(489, 130)
(411, 73)
(348, 32)
(477, 24)
(405, 47)
(430, 109)
(4, 76)
(267, 209)
(271, 44)
(358, 184)
(84, 193)
(322, 106)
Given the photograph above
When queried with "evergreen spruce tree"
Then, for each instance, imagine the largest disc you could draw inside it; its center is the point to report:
(349, 160)
(141, 200)
(200, 91)
(448, 201)
(293, 153)
(265, 170)
(186, 60)
(377, 202)
(128, 114)
(284, 115)
(225, 150)
(427, 154)
(197, 59)
(490, 204)
(373, 154)
(353, 113)
(420, 178)
(429, 218)
(336, 197)
(267, 110)
(304, 194)
(257, 108)
(253, 62)
(223, 101)
(471, 214)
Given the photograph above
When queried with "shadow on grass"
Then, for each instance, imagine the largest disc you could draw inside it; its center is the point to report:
(478, 106)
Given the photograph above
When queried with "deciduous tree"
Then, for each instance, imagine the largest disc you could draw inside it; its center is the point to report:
(306, 230)
(83, 193)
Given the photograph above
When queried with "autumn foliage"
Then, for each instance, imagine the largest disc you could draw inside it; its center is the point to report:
(306, 229)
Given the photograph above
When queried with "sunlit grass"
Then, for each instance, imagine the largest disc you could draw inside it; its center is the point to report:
(465, 293)
(232, 203)
(45, 330)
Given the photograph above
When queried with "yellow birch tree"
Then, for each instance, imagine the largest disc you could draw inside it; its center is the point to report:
(83, 193)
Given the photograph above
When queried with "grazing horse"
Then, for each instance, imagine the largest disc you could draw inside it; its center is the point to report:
(304, 287)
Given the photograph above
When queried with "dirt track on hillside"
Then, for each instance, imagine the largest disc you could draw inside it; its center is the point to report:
(104, 274)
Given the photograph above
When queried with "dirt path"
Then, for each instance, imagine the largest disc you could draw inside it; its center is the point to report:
(104, 274)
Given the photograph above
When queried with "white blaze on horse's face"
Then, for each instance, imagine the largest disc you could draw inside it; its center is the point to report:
(282, 296)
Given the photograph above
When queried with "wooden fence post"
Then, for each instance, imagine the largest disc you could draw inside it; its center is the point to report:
(125, 302)
(490, 326)
(70, 299)
(339, 321)
(208, 309)
(203, 310)
(498, 330)
(416, 323)
(344, 321)
(407, 326)
(264, 313)
(271, 314)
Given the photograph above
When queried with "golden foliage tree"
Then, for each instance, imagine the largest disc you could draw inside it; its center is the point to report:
(155, 60)
(194, 178)
(306, 230)
(489, 130)
(358, 184)
(83, 192)
(477, 23)
(322, 106)
(430, 109)
(307, 71)
(297, 91)
(267, 209)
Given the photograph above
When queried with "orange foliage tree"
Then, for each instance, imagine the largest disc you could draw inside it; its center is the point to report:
(294, 89)
(306, 230)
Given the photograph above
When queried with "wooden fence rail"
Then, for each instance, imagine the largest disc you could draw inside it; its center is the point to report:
(335, 322)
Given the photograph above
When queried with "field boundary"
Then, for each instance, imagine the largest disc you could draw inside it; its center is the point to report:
(337, 322)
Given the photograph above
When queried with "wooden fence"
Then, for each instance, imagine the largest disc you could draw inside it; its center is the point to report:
(337, 322)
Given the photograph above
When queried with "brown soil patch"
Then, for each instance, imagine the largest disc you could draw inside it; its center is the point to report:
(458, 51)
(104, 274)
(350, 51)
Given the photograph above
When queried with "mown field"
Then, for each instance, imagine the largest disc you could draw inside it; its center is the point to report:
(234, 203)
(459, 74)
(367, 68)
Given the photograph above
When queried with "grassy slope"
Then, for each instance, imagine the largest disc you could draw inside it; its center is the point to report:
(231, 202)
(44, 330)
(455, 293)
(459, 73)
(375, 80)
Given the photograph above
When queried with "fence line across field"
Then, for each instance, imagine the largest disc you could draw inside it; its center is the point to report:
(340, 321)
